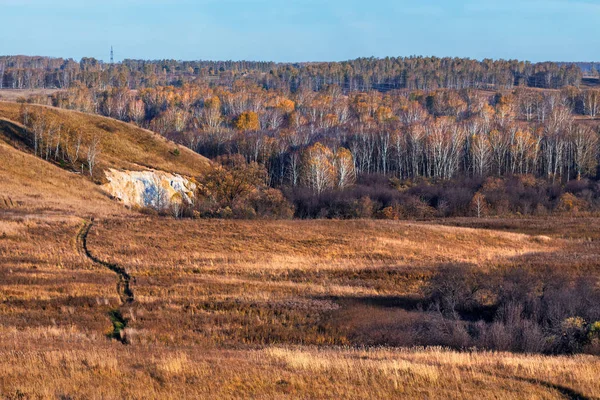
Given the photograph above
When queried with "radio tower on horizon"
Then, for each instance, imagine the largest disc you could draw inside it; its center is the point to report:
(112, 55)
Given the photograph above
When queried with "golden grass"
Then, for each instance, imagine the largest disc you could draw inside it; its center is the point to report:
(32, 184)
(431, 372)
(254, 309)
(289, 245)
(110, 371)
(45, 281)
(264, 282)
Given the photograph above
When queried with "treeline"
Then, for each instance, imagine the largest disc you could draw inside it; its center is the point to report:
(430, 73)
(23, 72)
(438, 135)
(357, 169)
(364, 74)
(589, 69)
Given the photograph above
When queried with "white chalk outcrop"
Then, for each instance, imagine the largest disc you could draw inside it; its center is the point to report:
(155, 189)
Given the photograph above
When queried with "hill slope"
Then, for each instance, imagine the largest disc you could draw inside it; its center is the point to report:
(29, 182)
(122, 145)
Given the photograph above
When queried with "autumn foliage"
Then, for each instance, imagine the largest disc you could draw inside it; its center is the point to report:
(247, 121)
(310, 129)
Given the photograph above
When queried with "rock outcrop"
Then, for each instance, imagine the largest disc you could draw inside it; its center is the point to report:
(155, 189)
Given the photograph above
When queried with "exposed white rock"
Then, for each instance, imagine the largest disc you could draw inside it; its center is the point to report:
(155, 189)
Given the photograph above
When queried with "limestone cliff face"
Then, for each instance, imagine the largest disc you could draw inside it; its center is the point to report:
(155, 189)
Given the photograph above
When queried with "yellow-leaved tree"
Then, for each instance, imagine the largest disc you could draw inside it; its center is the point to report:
(211, 113)
(344, 165)
(247, 121)
(318, 169)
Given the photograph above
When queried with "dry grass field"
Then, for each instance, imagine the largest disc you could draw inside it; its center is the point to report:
(18, 94)
(225, 282)
(262, 309)
(31, 185)
(283, 372)
(254, 309)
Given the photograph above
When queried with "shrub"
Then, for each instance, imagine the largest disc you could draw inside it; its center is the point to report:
(394, 212)
(271, 203)
(568, 202)
(517, 309)
(237, 189)
(594, 331)
(453, 289)
(574, 335)
(364, 207)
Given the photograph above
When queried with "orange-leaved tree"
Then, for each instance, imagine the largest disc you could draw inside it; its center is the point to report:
(247, 121)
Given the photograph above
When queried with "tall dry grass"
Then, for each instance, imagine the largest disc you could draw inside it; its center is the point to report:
(140, 372)
(275, 282)
(252, 309)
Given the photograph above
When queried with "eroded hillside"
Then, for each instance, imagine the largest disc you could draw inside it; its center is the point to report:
(55, 153)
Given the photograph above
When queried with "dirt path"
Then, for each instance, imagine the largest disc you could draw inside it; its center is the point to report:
(123, 285)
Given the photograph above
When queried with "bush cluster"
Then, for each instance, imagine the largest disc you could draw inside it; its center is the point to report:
(374, 196)
(514, 309)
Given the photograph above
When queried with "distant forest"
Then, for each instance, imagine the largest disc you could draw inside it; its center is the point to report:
(389, 138)
(413, 73)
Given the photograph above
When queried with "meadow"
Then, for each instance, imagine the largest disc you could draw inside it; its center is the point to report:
(265, 309)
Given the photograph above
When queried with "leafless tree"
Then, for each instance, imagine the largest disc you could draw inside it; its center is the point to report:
(72, 151)
(591, 102)
(92, 154)
(160, 199)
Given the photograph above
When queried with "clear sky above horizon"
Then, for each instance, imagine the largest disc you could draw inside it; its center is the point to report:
(302, 30)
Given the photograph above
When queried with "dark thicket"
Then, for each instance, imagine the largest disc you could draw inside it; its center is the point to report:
(381, 197)
(514, 309)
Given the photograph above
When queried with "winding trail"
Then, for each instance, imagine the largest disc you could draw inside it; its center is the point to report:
(123, 284)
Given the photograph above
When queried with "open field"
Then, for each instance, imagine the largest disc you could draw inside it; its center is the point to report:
(17, 94)
(282, 282)
(112, 372)
(238, 309)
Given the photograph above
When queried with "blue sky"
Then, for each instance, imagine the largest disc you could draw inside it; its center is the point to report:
(302, 30)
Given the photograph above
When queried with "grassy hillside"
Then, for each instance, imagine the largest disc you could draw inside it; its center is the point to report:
(122, 145)
(29, 184)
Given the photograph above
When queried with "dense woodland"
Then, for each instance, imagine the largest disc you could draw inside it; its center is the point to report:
(413, 73)
(393, 138)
